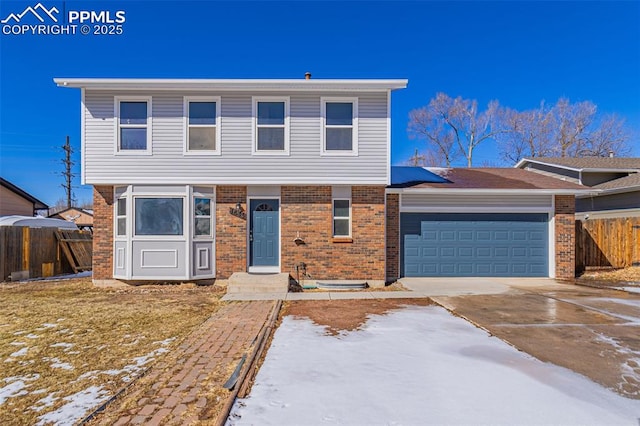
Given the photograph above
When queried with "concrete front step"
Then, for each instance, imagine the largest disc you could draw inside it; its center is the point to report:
(244, 282)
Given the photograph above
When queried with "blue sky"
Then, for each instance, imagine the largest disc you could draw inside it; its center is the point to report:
(516, 52)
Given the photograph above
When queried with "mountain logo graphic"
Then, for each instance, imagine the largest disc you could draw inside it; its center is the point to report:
(38, 11)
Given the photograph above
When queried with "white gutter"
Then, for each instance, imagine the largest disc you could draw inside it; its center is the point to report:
(583, 169)
(488, 191)
(231, 84)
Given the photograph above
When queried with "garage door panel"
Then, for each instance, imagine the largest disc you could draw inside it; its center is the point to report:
(465, 244)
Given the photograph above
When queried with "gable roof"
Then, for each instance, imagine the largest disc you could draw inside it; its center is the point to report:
(622, 164)
(498, 179)
(37, 204)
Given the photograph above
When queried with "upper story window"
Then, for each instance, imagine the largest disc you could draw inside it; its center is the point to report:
(271, 126)
(202, 116)
(339, 126)
(133, 117)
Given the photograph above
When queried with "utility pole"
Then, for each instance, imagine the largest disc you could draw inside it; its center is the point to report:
(417, 159)
(67, 172)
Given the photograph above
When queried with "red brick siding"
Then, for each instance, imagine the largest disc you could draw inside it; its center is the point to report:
(393, 237)
(231, 231)
(307, 212)
(102, 232)
(565, 236)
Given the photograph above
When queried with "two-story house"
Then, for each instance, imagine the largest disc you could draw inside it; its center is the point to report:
(198, 179)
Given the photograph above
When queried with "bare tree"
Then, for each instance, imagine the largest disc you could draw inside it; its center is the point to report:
(427, 124)
(564, 130)
(454, 127)
(526, 133)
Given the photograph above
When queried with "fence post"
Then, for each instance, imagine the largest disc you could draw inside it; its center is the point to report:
(26, 244)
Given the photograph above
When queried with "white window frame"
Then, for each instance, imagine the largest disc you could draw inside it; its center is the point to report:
(254, 124)
(118, 126)
(125, 216)
(354, 125)
(209, 216)
(340, 197)
(162, 195)
(187, 126)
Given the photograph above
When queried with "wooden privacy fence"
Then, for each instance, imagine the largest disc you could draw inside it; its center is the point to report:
(607, 243)
(37, 252)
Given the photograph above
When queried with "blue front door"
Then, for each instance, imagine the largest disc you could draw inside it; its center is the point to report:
(264, 235)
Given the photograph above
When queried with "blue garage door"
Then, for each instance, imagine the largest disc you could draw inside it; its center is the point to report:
(474, 245)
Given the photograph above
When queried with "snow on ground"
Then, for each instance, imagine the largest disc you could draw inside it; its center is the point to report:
(418, 365)
(76, 408)
(16, 386)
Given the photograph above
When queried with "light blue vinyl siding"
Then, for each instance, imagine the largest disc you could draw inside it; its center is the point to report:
(167, 163)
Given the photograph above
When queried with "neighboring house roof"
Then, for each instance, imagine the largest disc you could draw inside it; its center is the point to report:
(37, 204)
(80, 217)
(622, 164)
(332, 85)
(628, 182)
(501, 179)
(406, 176)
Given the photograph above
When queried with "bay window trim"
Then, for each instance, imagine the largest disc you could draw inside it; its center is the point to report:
(254, 125)
(185, 109)
(324, 100)
(117, 126)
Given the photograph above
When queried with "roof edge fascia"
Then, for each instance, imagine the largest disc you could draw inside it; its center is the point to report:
(232, 84)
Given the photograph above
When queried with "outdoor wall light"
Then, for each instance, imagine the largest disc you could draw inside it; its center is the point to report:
(238, 211)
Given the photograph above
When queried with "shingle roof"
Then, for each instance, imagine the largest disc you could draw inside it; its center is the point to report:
(496, 178)
(623, 163)
(631, 181)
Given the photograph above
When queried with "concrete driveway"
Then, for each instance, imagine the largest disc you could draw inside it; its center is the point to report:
(594, 332)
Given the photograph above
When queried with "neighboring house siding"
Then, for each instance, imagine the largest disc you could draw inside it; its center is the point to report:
(553, 171)
(13, 204)
(626, 200)
(592, 179)
(236, 164)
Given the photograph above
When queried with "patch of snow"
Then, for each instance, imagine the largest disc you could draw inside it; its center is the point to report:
(49, 325)
(165, 342)
(65, 345)
(129, 371)
(65, 277)
(56, 363)
(418, 365)
(631, 368)
(76, 407)
(21, 352)
(39, 391)
(32, 336)
(45, 402)
(16, 343)
(16, 386)
(18, 333)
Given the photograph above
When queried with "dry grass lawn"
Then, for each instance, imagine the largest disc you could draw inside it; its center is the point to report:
(629, 275)
(64, 338)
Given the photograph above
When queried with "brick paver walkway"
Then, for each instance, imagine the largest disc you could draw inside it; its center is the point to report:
(178, 389)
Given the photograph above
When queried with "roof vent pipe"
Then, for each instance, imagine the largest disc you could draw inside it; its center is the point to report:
(307, 75)
(611, 154)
